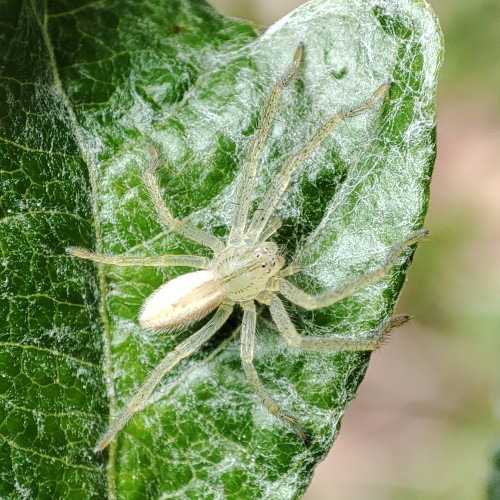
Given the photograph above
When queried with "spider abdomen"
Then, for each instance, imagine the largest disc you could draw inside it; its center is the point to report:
(181, 301)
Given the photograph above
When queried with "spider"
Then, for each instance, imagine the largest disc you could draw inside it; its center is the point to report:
(246, 269)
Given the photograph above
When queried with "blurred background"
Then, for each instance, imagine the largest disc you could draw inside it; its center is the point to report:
(425, 423)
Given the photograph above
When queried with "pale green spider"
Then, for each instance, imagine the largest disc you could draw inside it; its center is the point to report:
(245, 269)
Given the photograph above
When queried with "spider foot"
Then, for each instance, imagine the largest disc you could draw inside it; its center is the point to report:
(396, 321)
(293, 423)
(387, 327)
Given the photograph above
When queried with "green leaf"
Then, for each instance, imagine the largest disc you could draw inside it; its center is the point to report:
(494, 477)
(83, 90)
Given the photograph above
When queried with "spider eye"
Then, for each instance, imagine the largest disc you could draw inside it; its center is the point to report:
(258, 255)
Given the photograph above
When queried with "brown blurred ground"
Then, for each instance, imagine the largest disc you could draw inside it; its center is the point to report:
(423, 425)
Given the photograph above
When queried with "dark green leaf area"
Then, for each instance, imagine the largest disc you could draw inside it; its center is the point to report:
(312, 195)
(410, 72)
(210, 179)
(51, 378)
(494, 476)
(123, 65)
(41, 300)
(52, 388)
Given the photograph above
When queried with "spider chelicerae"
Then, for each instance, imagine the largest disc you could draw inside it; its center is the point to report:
(246, 269)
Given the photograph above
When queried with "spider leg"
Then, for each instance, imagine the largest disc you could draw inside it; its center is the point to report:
(152, 261)
(289, 271)
(247, 351)
(249, 171)
(178, 226)
(329, 297)
(183, 350)
(272, 227)
(280, 183)
(335, 343)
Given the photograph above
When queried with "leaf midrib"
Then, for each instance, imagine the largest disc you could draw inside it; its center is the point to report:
(93, 178)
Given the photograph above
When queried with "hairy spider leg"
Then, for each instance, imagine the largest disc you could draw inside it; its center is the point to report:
(334, 343)
(150, 261)
(178, 226)
(183, 350)
(280, 183)
(247, 342)
(329, 297)
(314, 343)
(246, 182)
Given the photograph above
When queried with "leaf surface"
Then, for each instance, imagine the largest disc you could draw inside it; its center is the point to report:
(84, 88)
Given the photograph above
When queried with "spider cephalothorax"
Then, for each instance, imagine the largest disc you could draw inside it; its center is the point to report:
(245, 269)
